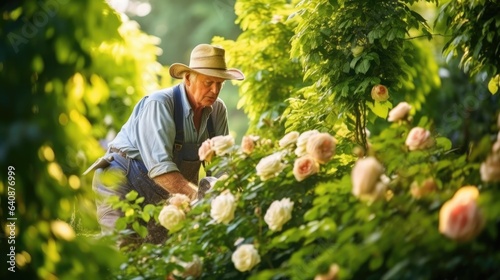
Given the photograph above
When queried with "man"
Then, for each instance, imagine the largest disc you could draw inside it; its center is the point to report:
(157, 148)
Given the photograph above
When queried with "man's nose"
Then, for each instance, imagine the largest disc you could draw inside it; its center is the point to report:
(216, 87)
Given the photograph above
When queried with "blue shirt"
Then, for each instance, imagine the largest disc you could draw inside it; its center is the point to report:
(149, 133)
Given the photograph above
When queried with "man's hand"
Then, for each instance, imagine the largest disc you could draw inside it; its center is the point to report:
(174, 182)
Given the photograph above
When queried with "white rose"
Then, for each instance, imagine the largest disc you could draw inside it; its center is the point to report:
(419, 139)
(288, 139)
(302, 142)
(222, 144)
(366, 175)
(171, 217)
(245, 257)
(399, 112)
(321, 146)
(278, 214)
(223, 207)
(270, 166)
(205, 151)
(460, 218)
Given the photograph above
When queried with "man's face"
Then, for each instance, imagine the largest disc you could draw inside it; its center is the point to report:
(204, 90)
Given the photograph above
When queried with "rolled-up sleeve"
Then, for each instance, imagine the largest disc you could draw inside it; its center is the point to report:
(155, 138)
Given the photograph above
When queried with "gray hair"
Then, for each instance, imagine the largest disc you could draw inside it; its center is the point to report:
(192, 76)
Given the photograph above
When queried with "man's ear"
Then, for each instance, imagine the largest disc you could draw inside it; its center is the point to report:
(188, 80)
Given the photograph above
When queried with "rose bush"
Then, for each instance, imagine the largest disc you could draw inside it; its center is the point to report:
(326, 88)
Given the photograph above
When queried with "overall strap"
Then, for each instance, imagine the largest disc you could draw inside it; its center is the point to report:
(178, 118)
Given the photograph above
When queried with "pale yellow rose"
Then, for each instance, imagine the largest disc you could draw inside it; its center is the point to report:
(278, 214)
(222, 144)
(223, 207)
(304, 167)
(332, 274)
(270, 166)
(419, 190)
(302, 142)
(289, 139)
(171, 217)
(245, 257)
(205, 151)
(321, 147)
(182, 201)
(366, 179)
(460, 218)
(247, 144)
(380, 93)
(419, 139)
(399, 112)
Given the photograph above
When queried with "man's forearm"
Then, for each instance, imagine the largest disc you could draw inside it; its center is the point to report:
(174, 182)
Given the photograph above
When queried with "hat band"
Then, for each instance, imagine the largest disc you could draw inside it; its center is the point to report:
(212, 68)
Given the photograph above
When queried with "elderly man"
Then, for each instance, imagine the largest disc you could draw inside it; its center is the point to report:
(157, 148)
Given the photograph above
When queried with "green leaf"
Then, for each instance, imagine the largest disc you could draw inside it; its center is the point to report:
(131, 196)
(140, 229)
(145, 216)
(381, 109)
(363, 67)
(493, 84)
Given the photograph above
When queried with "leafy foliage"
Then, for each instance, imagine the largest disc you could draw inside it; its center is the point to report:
(67, 73)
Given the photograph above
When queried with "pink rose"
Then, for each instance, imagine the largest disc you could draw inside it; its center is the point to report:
(247, 144)
(419, 139)
(321, 147)
(399, 112)
(380, 93)
(366, 177)
(304, 167)
(205, 151)
(460, 218)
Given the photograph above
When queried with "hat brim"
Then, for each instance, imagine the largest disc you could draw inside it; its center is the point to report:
(177, 69)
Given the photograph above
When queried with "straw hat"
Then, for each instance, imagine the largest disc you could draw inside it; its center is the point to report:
(207, 60)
